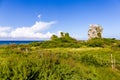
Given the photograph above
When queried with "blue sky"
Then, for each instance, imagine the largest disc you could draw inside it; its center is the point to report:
(72, 16)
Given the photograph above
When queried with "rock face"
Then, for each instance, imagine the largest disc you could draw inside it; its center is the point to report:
(95, 31)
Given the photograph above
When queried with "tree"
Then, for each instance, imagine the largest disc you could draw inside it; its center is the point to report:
(67, 35)
(54, 37)
(61, 34)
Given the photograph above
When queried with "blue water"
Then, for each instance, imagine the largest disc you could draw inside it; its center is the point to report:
(16, 42)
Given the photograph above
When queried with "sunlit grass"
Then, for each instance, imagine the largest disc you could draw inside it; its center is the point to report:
(17, 63)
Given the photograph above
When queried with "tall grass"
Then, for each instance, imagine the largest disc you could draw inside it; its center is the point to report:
(34, 63)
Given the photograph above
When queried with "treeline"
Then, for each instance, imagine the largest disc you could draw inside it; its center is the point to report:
(65, 40)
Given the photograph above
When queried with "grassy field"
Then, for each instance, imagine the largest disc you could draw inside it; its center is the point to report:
(35, 63)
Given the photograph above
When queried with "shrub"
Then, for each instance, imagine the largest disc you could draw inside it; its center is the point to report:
(96, 42)
(92, 60)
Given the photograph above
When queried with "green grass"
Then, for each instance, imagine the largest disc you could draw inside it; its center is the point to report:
(34, 63)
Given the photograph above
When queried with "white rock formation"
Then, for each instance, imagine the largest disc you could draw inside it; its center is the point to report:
(95, 31)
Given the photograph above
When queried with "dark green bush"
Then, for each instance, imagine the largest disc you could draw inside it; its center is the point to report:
(100, 42)
(92, 60)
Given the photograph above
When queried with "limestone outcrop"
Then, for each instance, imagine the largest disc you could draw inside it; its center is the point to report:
(95, 31)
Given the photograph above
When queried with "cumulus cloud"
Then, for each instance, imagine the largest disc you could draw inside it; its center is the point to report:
(2, 29)
(32, 32)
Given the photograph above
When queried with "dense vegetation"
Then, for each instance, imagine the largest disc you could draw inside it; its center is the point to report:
(65, 41)
(61, 58)
(58, 63)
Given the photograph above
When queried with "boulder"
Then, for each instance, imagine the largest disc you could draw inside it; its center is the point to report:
(95, 31)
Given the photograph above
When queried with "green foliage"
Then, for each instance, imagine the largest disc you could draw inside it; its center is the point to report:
(64, 41)
(93, 60)
(44, 66)
(101, 42)
(96, 42)
(64, 38)
(116, 46)
(57, 63)
(54, 37)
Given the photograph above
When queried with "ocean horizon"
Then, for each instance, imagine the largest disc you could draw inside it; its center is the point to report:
(7, 42)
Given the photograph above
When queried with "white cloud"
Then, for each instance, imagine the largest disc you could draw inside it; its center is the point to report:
(40, 26)
(32, 32)
(39, 16)
(2, 29)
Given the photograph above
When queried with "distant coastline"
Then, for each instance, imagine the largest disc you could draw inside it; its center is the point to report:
(7, 42)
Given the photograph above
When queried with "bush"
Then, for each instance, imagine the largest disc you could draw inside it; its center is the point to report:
(96, 42)
(101, 42)
(92, 60)
(64, 41)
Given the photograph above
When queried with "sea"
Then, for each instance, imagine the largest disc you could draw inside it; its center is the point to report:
(16, 42)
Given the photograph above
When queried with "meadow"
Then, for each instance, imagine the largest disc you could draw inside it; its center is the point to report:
(35, 63)
(61, 59)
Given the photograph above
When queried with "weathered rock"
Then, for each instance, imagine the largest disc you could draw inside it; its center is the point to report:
(95, 31)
